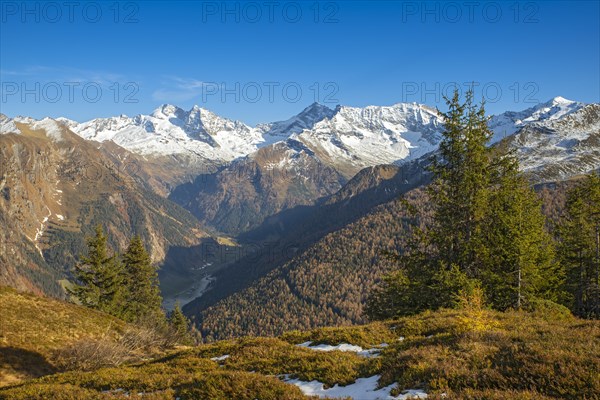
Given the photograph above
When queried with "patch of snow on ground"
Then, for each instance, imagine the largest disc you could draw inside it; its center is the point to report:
(221, 358)
(363, 389)
(374, 352)
(40, 232)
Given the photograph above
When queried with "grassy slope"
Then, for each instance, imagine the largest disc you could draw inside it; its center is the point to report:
(32, 327)
(464, 354)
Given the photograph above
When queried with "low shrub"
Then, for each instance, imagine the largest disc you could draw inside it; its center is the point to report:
(548, 310)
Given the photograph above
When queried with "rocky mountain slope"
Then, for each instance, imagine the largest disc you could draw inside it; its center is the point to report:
(347, 140)
(274, 178)
(559, 148)
(55, 187)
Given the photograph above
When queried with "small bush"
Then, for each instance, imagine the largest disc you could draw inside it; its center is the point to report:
(474, 318)
(549, 310)
(226, 385)
(135, 344)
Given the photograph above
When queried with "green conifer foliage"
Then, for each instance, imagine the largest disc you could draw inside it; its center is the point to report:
(488, 230)
(100, 277)
(579, 232)
(143, 299)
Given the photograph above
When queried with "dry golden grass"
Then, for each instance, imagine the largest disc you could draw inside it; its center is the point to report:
(468, 353)
(32, 327)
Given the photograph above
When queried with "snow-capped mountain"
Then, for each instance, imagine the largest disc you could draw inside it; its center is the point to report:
(355, 138)
(198, 133)
(170, 130)
(306, 119)
(311, 164)
(7, 125)
(509, 122)
(560, 147)
(345, 138)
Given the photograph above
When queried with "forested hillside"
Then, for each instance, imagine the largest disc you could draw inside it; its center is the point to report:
(325, 285)
(330, 282)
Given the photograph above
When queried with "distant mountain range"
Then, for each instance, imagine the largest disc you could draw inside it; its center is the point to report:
(346, 138)
(232, 176)
(177, 177)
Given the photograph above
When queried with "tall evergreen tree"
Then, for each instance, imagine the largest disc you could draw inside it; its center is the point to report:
(487, 230)
(579, 232)
(100, 277)
(519, 256)
(143, 299)
(459, 190)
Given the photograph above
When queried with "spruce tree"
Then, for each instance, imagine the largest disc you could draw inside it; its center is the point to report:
(143, 299)
(579, 232)
(100, 277)
(487, 231)
(519, 258)
(460, 187)
(444, 258)
(180, 326)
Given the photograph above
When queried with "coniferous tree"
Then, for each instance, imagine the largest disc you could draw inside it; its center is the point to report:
(100, 277)
(579, 232)
(443, 258)
(180, 326)
(519, 258)
(143, 299)
(460, 187)
(487, 231)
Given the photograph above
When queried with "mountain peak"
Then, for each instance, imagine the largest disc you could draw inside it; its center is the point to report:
(306, 119)
(317, 106)
(561, 100)
(167, 110)
(196, 109)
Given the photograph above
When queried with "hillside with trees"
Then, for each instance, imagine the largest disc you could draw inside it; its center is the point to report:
(479, 225)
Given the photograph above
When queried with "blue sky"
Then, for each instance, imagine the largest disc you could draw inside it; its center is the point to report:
(259, 61)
